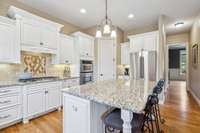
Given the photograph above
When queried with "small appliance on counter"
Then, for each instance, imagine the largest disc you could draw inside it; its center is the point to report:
(25, 75)
(86, 71)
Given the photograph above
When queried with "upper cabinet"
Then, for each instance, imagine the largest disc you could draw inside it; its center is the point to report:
(125, 53)
(85, 45)
(37, 34)
(147, 41)
(9, 41)
(66, 49)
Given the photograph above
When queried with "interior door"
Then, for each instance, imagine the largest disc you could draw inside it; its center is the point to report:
(107, 63)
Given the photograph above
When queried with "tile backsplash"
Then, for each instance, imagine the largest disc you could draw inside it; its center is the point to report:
(38, 64)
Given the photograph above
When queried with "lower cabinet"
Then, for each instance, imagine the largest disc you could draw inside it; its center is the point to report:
(76, 115)
(35, 103)
(10, 105)
(40, 98)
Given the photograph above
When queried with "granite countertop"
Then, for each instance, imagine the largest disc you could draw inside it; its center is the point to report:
(130, 95)
(17, 83)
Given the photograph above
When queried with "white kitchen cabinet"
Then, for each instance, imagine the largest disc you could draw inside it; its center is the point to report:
(35, 103)
(85, 45)
(66, 49)
(40, 98)
(10, 105)
(37, 34)
(76, 115)
(146, 41)
(49, 38)
(125, 53)
(9, 41)
(30, 33)
(53, 98)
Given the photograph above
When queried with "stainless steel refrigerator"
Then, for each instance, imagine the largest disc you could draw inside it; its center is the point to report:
(141, 62)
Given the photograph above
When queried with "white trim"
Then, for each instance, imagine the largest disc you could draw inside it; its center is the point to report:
(187, 61)
(82, 34)
(195, 97)
(143, 34)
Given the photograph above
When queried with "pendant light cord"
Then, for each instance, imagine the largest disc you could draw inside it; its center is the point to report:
(106, 11)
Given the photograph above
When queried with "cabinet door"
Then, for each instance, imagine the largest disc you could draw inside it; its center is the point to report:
(76, 115)
(31, 34)
(35, 103)
(49, 38)
(137, 44)
(9, 46)
(150, 42)
(66, 50)
(53, 98)
(86, 47)
(125, 54)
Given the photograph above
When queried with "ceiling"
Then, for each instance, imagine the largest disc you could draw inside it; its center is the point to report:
(146, 12)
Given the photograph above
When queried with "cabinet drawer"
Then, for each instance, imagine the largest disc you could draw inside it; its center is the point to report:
(10, 90)
(10, 114)
(9, 100)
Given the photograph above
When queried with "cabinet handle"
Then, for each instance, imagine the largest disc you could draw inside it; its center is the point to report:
(41, 43)
(101, 74)
(66, 61)
(8, 101)
(46, 92)
(75, 108)
(86, 53)
(5, 91)
(4, 117)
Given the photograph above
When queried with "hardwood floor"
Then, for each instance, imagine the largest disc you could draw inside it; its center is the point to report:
(181, 112)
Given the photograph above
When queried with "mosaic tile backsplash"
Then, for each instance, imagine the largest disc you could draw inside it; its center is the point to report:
(35, 64)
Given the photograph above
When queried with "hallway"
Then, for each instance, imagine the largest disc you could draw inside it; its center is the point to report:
(181, 112)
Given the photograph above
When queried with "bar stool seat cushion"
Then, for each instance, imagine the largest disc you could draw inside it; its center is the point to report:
(114, 120)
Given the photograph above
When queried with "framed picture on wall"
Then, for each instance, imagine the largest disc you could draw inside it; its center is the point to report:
(195, 55)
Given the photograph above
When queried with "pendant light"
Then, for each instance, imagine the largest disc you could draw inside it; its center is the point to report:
(106, 25)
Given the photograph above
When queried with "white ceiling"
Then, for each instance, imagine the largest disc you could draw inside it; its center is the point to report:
(146, 11)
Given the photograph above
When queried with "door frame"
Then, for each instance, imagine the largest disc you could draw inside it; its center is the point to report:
(167, 62)
(98, 56)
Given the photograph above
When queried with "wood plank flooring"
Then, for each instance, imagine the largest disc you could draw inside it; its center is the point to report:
(181, 112)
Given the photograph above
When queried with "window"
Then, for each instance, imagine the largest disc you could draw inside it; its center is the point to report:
(182, 61)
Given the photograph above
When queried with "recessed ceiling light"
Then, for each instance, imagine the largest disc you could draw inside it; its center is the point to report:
(179, 24)
(131, 16)
(83, 11)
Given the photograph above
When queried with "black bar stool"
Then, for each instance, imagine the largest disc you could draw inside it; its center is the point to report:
(141, 122)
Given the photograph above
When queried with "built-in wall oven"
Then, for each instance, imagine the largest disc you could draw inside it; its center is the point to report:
(86, 71)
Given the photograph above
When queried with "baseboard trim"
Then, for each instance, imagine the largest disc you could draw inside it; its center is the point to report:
(195, 97)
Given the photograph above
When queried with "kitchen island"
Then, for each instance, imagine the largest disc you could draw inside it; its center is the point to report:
(84, 104)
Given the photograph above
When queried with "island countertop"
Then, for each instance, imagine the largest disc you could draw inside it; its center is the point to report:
(128, 95)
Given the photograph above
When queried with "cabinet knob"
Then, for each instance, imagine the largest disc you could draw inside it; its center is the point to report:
(86, 53)
(46, 92)
(41, 43)
(101, 74)
(75, 108)
(66, 61)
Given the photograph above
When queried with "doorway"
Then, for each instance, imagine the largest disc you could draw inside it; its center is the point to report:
(177, 63)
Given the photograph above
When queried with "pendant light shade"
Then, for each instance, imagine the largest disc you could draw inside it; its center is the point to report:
(98, 34)
(106, 29)
(113, 34)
